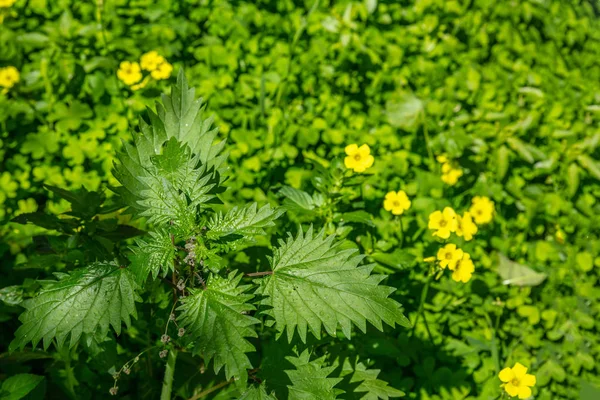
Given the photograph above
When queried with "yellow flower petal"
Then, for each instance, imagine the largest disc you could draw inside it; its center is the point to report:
(524, 392)
(528, 380)
(351, 149)
(519, 370)
(511, 389)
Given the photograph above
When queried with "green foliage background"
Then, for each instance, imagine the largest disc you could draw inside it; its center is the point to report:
(508, 89)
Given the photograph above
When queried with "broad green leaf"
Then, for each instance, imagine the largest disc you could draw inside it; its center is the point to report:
(517, 274)
(502, 156)
(310, 379)
(154, 254)
(521, 149)
(370, 388)
(216, 320)
(85, 301)
(18, 386)
(296, 199)
(245, 221)
(405, 112)
(47, 221)
(360, 216)
(257, 393)
(316, 283)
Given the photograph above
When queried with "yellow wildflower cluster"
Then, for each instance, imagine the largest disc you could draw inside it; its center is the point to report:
(451, 171)
(7, 3)
(517, 382)
(357, 158)
(457, 261)
(446, 222)
(9, 76)
(130, 72)
(396, 202)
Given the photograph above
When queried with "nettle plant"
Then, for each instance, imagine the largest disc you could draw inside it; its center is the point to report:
(172, 175)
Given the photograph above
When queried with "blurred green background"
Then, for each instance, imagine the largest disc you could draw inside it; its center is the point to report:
(509, 90)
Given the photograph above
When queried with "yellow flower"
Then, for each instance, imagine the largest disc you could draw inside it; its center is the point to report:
(151, 60)
(358, 158)
(517, 382)
(9, 76)
(482, 209)
(129, 72)
(7, 3)
(162, 71)
(452, 175)
(140, 85)
(449, 256)
(560, 236)
(464, 269)
(396, 202)
(443, 222)
(429, 259)
(465, 226)
(442, 158)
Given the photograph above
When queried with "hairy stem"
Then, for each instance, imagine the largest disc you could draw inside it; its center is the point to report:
(263, 273)
(167, 386)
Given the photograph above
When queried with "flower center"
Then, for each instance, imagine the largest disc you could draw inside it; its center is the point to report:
(516, 382)
(443, 223)
(357, 157)
(448, 256)
(396, 203)
(479, 212)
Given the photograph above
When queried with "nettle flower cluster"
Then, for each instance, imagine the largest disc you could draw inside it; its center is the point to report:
(157, 66)
(446, 222)
(9, 76)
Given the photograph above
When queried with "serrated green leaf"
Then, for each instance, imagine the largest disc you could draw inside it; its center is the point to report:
(257, 393)
(18, 386)
(154, 254)
(87, 300)
(245, 221)
(310, 379)
(370, 388)
(216, 320)
(316, 283)
(173, 166)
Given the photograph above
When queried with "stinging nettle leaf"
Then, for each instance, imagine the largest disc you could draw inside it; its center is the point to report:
(370, 388)
(216, 319)
(316, 283)
(87, 300)
(245, 221)
(257, 393)
(152, 255)
(174, 166)
(310, 379)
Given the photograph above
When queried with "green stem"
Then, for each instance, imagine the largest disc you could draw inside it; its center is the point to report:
(495, 356)
(422, 302)
(401, 244)
(165, 393)
(427, 139)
